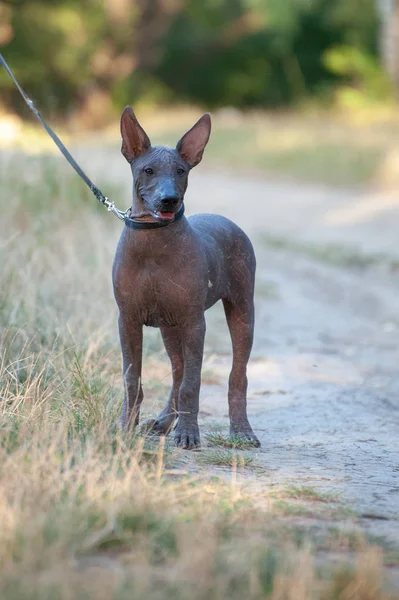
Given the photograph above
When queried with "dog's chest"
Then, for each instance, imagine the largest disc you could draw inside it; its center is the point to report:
(162, 297)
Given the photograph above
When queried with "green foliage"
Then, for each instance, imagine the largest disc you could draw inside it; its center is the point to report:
(361, 73)
(216, 52)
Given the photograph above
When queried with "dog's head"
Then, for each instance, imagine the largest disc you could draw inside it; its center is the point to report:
(160, 174)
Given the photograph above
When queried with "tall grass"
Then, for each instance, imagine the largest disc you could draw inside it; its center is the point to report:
(87, 511)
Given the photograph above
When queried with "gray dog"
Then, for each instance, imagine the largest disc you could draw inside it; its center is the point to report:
(168, 270)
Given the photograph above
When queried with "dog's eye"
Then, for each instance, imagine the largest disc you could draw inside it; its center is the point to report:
(180, 171)
(149, 171)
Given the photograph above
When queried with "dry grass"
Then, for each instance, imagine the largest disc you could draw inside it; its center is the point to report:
(339, 148)
(87, 512)
(334, 255)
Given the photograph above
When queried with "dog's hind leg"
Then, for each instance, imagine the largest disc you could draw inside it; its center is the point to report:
(165, 420)
(240, 319)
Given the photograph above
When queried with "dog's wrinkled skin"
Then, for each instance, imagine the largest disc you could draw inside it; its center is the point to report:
(168, 277)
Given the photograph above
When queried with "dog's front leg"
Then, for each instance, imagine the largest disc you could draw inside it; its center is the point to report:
(131, 338)
(187, 432)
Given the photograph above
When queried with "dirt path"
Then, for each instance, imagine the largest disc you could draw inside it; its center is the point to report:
(323, 386)
(324, 381)
(324, 377)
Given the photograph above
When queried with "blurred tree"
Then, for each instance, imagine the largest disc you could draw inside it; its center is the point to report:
(389, 37)
(97, 54)
(67, 52)
(257, 52)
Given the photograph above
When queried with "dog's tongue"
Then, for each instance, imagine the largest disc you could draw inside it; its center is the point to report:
(166, 215)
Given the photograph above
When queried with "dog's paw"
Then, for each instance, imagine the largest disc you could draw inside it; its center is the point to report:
(156, 426)
(187, 437)
(245, 434)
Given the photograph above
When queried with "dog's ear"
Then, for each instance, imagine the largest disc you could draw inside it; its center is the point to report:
(192, 144)
(135, 141)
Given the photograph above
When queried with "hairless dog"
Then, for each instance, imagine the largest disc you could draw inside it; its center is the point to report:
(167, 271)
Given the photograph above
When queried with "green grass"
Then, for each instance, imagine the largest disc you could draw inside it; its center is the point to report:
(321, 512)
(225, 458)
(217, 438)
(291, 509)
(309, 493)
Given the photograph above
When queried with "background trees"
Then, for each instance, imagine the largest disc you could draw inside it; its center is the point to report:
(243, 53)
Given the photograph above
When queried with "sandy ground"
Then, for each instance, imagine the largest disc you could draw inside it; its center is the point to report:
(324, 385)
(324, 378)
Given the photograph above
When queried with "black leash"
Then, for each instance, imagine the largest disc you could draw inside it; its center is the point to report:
(123, 215)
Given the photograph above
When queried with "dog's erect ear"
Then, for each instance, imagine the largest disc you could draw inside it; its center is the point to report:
(192, 144)
(135, 141)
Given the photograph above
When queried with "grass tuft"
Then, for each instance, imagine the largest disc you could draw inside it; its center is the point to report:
(217, 438)
(225, 458)
(309, 493)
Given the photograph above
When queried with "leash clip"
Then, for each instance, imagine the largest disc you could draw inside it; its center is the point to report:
(110, 206)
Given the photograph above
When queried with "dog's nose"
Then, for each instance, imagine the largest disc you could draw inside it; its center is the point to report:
(169, 201)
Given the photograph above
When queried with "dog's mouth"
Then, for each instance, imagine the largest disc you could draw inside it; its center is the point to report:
(165, 215)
